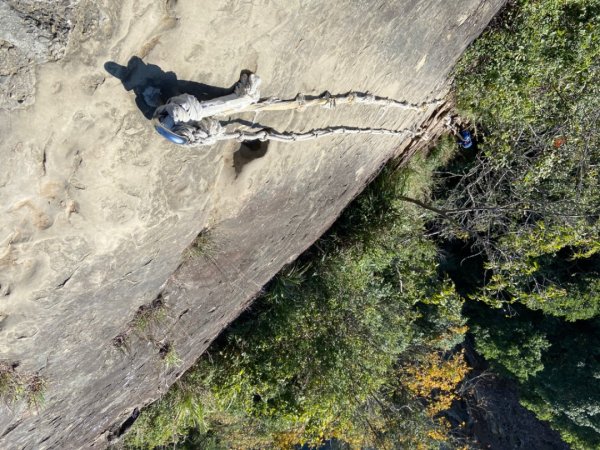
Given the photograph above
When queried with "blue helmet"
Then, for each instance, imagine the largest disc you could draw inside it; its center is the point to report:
(163, 126)
(168, 134)
(466, 141)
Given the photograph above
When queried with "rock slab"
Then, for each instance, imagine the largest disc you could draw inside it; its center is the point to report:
(99, 210)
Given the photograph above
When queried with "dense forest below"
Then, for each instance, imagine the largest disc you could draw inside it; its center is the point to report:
(486, 257)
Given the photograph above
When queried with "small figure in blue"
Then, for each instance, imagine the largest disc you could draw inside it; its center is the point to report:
(465, 140)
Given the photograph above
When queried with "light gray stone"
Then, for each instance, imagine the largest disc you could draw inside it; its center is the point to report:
(98, 210)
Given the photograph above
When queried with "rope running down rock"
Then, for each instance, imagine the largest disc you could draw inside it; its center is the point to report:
(185, 116)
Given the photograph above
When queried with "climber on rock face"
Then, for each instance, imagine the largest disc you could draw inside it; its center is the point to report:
(184, 119)
(187, 121)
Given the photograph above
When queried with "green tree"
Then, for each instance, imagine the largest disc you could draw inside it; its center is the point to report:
(566, 392)
(318, 355)
(555, 362)
(516, 350)
(529, 200)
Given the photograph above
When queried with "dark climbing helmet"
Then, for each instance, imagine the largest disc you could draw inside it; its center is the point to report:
(466, 140)
(163, 126)
(168, 134)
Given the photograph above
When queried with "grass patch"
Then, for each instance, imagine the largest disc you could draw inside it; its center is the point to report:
(149, 314)
(144, 318)
(169, 355)
(18, 386)
(202, 247)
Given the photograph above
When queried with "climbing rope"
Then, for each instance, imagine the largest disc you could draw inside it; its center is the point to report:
(271, 135)
(326, 100)
(185, 120)
(210, 131)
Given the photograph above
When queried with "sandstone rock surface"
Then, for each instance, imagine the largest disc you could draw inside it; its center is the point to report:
(31, 32)
(98, 210)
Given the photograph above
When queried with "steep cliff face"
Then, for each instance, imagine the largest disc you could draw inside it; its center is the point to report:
(99, 210)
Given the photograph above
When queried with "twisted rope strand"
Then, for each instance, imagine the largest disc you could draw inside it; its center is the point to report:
(195, 122)
(265, 135)
(331, 101)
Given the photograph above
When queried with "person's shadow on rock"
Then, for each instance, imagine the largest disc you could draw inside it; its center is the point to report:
(138, 76)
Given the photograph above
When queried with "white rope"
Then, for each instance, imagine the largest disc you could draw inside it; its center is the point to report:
(329, 101)
(206, 132)
(185, 116)
(272, 135)
(210, 131)
(187, 108)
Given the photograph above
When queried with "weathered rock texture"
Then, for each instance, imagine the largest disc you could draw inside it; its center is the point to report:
(31, 32)
(98, 210)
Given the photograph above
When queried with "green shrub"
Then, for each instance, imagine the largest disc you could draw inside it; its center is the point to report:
(530, 201)
(516, 348)
(17, 386)
(316, 357)
(530, 198)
